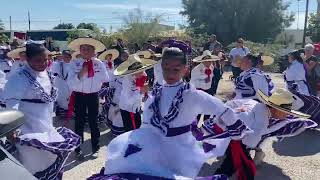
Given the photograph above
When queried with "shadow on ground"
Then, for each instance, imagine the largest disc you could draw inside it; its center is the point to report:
(305, 144)
(270, 171)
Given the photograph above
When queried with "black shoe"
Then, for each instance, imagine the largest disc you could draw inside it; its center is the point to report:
(95, 149)
(79, 156)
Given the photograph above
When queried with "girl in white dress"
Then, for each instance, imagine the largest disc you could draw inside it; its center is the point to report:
(164, 146)
(42, 149)
(295, 74)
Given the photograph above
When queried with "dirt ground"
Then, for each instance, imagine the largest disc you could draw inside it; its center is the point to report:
(295, 158)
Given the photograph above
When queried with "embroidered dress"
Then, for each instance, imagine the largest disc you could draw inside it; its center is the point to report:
(41, 148)
(60, 71)
(257, 117)
(110, 108)
(247, 84)
(295, 78)
(164, 145)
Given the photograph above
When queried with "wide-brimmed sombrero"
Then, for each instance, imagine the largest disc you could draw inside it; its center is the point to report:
(75, 44)
(206, 57)
(267, 60)
(115, 54)
(281, 100)
(149, 54)
(134, 65)
(15, 54)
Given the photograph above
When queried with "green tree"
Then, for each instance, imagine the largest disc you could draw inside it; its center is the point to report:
(90, 26)
(256, 20)
(64, 26)
(139, 26)
(314, 27)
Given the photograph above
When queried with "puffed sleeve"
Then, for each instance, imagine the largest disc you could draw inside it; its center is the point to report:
(208, 104)
(14, 90)
(260, 83)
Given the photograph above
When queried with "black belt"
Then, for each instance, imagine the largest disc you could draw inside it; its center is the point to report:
(37, 101)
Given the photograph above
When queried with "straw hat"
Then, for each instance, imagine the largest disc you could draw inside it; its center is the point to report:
(148, 54)
(75, 54)
(15, 54)
(134, 65)
(115, 54)
(267, 60)
(75, 44)
(206, 56)
(281, 100)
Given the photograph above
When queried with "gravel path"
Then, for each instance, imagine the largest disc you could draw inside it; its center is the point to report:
(296, 158)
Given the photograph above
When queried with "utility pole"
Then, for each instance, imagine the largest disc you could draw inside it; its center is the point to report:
(305, 24)
(29, 20)
(10, 23)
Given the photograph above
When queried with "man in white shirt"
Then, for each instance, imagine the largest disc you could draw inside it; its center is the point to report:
(236, 55)
(86, 77)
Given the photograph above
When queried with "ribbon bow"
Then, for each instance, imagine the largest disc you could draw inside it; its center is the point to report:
(109, 63)
(140, 81)
(208, 72)
(89, 64)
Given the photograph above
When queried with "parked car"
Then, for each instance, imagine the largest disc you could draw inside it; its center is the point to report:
(10, 168)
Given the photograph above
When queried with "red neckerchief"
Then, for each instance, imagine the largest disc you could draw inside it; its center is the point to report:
(140, 81)
(208, 72)
(109, 63)
(89, 63)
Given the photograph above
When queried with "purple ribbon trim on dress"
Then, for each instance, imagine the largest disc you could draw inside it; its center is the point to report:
(178, 130)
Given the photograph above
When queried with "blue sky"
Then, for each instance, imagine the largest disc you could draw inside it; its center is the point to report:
(47, 13)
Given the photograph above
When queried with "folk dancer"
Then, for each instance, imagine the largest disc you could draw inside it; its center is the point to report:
(60, 70)
(42, 149)
(252, 78)
(295, 74)
(266, 118)
(85, 80)
(134, 89)
(164, 146)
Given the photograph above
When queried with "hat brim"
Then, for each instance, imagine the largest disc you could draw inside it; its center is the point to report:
(15, 54)
(200, 59)
(122, 69)
(115, 54)
(265, 100)
(267, 60)
(75, 44)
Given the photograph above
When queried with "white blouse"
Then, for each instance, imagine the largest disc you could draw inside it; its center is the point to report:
(198, 77)
(297, 74)
(130, 98)
(87, 84)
